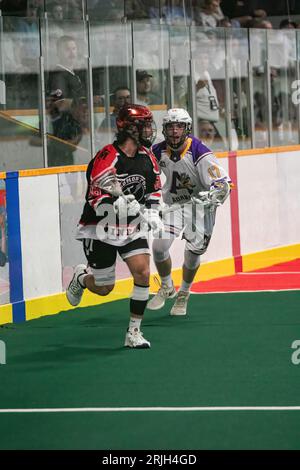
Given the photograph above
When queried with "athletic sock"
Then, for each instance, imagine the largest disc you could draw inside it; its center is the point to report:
(134, 324)
(185, 286)
(167, 281)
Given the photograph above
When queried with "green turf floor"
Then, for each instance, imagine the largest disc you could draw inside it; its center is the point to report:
(231, 350)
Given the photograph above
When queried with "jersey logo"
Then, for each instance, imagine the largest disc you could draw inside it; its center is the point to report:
(133, 184)
(185, 182)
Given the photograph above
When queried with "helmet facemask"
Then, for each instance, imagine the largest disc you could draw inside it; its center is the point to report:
(177, 125)
(136, 122)
(143, 132)
(175, 133)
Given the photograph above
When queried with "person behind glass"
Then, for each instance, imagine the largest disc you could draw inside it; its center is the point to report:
(56, 17)
(110, 225)
(207, 102)
(144, 92)
(121, 97)
(209, 14)
(28, 30)
(206, 132)
(198, 184)
(64, 77)
(66, 127)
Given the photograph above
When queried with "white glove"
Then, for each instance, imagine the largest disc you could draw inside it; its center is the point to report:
(217, 194)
(126, 206)
(151, 217)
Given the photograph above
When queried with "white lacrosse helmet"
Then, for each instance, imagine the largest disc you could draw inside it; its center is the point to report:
(177, 115)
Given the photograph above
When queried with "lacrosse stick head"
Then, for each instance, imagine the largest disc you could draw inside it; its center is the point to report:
(219, 191)
(108, 181)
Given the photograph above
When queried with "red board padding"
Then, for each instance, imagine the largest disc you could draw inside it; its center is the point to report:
(278, 277)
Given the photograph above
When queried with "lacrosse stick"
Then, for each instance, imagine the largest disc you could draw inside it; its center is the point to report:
(108, 181)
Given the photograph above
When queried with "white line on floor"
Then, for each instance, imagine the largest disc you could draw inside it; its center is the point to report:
(150, 408)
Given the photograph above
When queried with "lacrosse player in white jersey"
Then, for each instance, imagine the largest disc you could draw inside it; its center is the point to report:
(195, 186)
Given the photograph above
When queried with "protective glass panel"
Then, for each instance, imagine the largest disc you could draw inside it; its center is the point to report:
(111, 47)
(208, 52)
(151, 60)
(67, 96)
(283, 72)
(4, 269)
(21, 143)
(180, 67)
(258, 70)
(237, 56)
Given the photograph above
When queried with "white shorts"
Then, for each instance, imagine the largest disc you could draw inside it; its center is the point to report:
(196, 224)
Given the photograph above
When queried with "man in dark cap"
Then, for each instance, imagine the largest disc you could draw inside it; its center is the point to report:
(144, 85)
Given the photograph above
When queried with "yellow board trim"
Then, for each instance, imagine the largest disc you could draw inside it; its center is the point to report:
(77, 168)
(53, 170)
(54, 304)
(6, 314)
(270, 257)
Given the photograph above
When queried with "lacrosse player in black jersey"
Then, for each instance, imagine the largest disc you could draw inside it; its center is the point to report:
(123, 181)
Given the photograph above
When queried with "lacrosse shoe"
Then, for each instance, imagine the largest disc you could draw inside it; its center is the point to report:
(164, 293)
(134, 339)
(75, 289)
(180, 305)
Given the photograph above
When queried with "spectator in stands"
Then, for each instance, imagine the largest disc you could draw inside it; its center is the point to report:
(57, 12)
(287, 24)
(145, 95)
(64, 79)
(108, 126)
(207, 102)
(28, 29)
(207, 132)
(209, 14)
(66, 127)
(56, 17)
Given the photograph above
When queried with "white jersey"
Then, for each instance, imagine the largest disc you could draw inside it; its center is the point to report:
(194, 170)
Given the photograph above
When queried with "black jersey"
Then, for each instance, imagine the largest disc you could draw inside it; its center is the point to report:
(138, 175)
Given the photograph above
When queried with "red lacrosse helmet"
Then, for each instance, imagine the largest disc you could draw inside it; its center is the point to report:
(136, 121)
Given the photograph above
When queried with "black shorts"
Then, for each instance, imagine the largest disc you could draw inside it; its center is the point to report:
(102, 255)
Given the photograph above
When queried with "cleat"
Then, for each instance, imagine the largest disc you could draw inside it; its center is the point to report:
(180, 305)
(158, 301)
(75, 290)
(134, 339)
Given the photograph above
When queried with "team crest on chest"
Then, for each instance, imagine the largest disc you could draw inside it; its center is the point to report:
(133, 184)
(185, 181)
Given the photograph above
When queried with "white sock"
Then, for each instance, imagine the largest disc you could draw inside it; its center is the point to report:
(185, 286)
(134, 323)
(167, 280)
